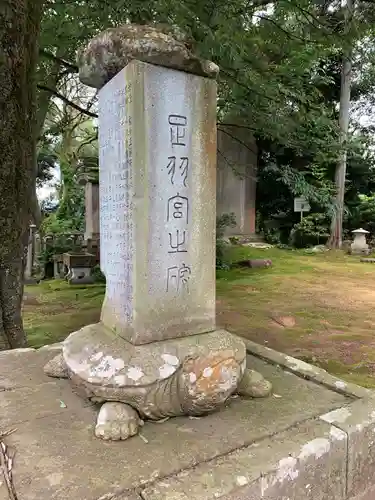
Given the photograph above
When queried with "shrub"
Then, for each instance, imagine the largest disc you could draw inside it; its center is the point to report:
(362, 215)
(312, 230)
(98, 274)
(275, 228)
(222, 247)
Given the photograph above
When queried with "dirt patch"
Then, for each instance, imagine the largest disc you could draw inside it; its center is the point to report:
(341, 294)
(30, 300)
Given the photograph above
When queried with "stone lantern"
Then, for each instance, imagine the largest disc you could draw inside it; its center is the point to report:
(359, 245)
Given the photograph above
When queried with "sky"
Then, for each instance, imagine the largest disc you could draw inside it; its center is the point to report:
(48, 189)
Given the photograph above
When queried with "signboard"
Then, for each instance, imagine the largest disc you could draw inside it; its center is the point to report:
(301, 205)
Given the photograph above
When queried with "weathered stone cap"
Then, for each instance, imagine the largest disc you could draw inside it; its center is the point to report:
(110, 51)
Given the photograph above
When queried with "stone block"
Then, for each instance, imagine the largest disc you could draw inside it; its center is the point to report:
(52, 347)
(80, 276)
(79, 267)
(78, 260)
(58, 456)
(51, 398)
(157, 209)
(22, 368)
(307, 462)
(358, 421)
(306, 370)
(110, 51)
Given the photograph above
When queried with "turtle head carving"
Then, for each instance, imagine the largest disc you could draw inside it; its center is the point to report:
(207, 381)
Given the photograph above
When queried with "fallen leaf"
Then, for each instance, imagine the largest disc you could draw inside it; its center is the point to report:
(144, 439)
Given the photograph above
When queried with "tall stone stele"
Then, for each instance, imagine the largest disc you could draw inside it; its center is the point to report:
(156, 352)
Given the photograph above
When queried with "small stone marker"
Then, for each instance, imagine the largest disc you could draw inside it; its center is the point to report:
(156, 350)
(359, 245)
(29, 279)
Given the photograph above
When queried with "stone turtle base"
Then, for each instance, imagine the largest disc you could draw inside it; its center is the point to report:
(314, 439)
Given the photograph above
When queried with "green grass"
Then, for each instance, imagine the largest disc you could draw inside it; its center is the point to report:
(329, 295)
(61, 309)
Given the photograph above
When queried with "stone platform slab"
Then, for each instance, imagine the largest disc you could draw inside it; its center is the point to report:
(314, 439)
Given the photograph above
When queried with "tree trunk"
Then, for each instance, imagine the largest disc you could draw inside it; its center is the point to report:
(19, 31)
(11, 294)
(335, 239)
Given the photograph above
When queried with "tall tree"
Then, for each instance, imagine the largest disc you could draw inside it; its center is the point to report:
(335, 240)
(19, 31)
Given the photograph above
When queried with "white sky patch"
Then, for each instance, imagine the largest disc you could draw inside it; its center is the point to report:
(48, 190)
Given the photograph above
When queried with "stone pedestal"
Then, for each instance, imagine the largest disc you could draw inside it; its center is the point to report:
(79, 267)
(314, 440)
(156, 349)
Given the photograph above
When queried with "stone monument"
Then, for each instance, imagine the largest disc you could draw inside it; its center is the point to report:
(156, 352)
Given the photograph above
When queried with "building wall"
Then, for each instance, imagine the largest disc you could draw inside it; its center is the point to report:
(236, 177)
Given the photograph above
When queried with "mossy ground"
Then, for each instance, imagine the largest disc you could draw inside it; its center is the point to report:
(330, 297)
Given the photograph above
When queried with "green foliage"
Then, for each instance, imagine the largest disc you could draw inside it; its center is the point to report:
(71, 140)
(312, 230)
(224, 221)
(59, 245)
(274, 231)
(222, 247)
(98, 275)
(46, 164)
(279, 77)
(57, 224)
(363, 214)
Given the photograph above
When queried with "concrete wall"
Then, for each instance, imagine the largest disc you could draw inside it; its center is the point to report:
(236, 177)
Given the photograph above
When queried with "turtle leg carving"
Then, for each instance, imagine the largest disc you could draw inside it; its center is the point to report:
(117, 421)
(56, 367)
